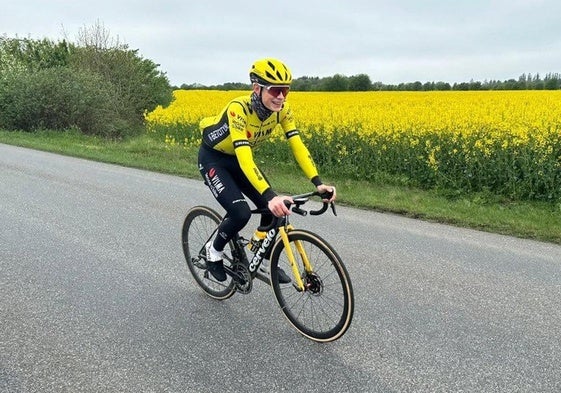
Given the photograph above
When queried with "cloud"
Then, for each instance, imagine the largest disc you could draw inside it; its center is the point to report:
(398, 41)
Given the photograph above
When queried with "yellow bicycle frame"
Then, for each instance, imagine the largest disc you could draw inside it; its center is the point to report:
(290, 255)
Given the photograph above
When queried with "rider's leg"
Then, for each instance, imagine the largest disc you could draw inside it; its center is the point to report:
(266, 220)
(258, 200)
(224, 187)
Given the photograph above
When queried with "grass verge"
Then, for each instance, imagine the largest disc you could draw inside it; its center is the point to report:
(533, 220)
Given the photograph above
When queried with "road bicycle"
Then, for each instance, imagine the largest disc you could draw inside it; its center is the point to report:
(319, 300)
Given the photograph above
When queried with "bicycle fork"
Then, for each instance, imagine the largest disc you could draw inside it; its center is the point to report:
(299, 284)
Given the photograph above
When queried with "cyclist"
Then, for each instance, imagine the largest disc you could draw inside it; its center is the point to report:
(226, 159)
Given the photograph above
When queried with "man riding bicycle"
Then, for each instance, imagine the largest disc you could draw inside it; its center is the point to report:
(226, 157)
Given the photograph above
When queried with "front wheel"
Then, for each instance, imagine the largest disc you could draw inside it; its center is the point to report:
(324, 309)
(198, 227)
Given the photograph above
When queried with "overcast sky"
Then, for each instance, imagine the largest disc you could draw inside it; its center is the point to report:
(215, 41)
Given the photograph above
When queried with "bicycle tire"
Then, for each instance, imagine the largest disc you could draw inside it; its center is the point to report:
(322, 312)
(199, 224)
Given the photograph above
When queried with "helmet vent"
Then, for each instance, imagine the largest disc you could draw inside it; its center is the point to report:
(270, 71)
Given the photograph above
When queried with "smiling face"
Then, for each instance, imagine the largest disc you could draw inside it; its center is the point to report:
(272, 96)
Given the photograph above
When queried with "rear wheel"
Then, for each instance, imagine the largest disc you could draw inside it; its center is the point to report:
(324, 309)
(199, 225)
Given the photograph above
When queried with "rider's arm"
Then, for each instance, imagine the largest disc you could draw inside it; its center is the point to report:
(237, 123)
(300, 151)
(303, 157)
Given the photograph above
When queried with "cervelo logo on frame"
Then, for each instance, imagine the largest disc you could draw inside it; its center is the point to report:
(260, 253)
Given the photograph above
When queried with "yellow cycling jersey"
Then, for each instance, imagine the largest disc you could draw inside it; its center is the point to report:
(237, 129)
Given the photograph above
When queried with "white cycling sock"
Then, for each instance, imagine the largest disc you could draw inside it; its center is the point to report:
(213, 254)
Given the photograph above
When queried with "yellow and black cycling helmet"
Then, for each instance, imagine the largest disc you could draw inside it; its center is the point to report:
(270, 71)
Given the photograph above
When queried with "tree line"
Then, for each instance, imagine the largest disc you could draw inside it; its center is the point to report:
(96, 85)
(362, 82)
(103, 87)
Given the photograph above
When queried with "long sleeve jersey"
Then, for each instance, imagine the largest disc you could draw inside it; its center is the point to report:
(237, 129)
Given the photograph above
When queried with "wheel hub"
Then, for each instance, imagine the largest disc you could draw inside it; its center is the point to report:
(313, 284)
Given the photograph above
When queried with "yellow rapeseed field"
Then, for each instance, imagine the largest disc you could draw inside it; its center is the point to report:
(506, 142)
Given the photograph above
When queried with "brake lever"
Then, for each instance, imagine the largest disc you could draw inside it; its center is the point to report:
(333, 208)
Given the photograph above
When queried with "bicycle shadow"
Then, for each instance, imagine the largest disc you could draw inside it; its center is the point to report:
(251, 339)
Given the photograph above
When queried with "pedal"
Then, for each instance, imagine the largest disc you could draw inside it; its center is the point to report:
(199, 262)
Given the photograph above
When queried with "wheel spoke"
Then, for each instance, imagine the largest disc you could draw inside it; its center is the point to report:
(323, 311)
(198, 227)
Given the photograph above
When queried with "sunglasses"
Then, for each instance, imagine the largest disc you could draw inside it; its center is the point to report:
(276, 90)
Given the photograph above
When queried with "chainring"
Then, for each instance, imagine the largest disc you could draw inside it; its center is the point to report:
(242, 278)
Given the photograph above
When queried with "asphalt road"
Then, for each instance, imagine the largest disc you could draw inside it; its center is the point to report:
(95, 297)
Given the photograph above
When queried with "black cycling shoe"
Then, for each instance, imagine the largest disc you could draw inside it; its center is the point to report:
(283, 277)
(217, 270)
(216, 267)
